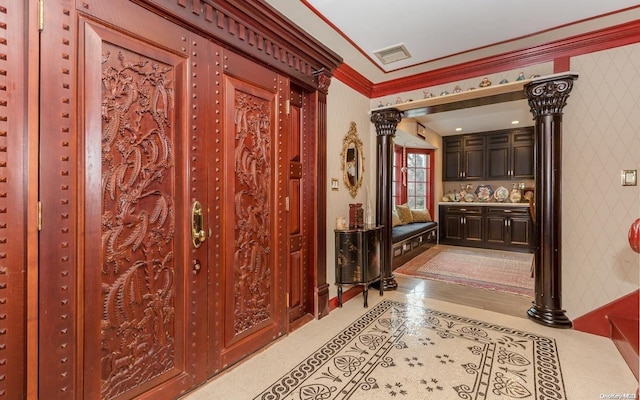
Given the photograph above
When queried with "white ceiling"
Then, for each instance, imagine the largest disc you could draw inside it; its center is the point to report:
(441, 33)
(436, 29)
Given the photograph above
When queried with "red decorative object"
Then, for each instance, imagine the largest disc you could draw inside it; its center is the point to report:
(356, 216)
(634, 236)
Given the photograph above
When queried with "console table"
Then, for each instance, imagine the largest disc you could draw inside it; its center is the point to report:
(357, 259)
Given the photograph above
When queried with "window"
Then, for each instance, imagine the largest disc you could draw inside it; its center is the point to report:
(412, 181)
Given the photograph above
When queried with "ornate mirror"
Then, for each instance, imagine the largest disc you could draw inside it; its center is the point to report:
(352, 160)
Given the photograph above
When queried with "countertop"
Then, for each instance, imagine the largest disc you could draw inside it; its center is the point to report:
(482, 203)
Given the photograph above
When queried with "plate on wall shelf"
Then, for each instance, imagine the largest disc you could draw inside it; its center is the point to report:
(484, 192)
(501, 194)
(469, 197)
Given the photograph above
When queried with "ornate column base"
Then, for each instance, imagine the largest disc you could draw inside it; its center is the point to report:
(389, 283)
(549, 317)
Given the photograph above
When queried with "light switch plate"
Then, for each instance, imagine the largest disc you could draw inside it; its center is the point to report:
(629, 177)
(334, 184)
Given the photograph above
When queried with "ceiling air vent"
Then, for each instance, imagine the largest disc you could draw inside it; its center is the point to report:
(392, 53)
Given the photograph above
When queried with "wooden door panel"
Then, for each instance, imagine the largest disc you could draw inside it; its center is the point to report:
(474, 228)
(117, 192)
(253, 266)
(135, 203)
(298, 304)
(13, 192)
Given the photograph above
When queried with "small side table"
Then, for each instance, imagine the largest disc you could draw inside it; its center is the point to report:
(358, 259)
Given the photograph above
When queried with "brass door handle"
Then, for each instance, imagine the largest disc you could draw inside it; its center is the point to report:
(198, 235)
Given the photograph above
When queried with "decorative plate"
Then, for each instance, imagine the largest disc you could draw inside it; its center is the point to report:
(501, 193)
(469, 197)
(515, 196)
(484, 192)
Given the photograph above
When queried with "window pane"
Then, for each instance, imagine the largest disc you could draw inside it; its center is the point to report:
(420, 203)
(411, 189)
(421, 175)
(411, 174)
(421, 189)
(420, 160)
(411, 160)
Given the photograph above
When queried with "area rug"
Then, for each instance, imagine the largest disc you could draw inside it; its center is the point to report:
(399, 350)
(488, 269)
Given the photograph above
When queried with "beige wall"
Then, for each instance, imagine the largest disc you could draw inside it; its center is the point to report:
(344, 106)
(601, 136)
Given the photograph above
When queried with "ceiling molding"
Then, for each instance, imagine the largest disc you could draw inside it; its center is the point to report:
(353, 79)
(603, 39)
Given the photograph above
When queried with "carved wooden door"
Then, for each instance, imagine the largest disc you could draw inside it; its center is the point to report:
(248, 196)
(299, 294)
(123, 306)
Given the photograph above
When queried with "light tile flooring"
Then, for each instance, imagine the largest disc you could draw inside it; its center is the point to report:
(591, 366)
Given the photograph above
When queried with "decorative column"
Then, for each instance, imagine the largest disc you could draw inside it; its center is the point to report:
(386, 122)
(547, 98)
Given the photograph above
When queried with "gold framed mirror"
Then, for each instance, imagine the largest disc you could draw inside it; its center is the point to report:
(352, 157)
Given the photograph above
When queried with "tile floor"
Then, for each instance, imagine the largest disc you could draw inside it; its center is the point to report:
(591, 366)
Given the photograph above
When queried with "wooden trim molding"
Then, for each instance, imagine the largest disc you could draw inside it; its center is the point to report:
(566, 48)
(254, 27)
(595, 322)
(352, 78)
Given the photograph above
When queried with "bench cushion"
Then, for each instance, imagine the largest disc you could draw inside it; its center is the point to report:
(401, 232)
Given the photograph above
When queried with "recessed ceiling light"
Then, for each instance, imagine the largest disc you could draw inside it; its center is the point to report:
(515, 122)
(458, 129)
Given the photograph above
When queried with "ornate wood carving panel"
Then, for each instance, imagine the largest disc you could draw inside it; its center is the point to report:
(115, 249)
(253, 266)
(138, 220)
(252, 272)
(13, 67)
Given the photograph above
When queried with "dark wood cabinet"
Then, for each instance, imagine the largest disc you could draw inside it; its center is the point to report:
(509, 228)
(463, 225)
(500, 155)
(463, 158)
(357, 259)
(523, 150)
(494, 227)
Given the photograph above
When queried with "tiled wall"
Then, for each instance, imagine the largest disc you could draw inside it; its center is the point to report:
(601, 136)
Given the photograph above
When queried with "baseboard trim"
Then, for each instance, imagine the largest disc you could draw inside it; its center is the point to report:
(346, 296)
(596, 322)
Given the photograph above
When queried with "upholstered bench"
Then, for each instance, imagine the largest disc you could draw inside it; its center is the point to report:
(412, 233)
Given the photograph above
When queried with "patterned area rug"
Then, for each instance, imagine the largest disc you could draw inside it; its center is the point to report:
(406, 351)
(488, 269)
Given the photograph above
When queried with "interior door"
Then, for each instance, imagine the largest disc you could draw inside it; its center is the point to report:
(298, 274)
(251, 255)
(121, 292)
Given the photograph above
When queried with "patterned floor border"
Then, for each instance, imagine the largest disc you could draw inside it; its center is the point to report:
(407, 351)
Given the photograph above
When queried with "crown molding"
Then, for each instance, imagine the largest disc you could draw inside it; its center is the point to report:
(355, 80)
(603, 39)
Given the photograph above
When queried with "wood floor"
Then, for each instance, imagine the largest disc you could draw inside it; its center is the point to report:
(505, 303)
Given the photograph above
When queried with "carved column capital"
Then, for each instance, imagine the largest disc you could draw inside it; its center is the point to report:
(324, 80)
(549, 96)
(386, 121)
